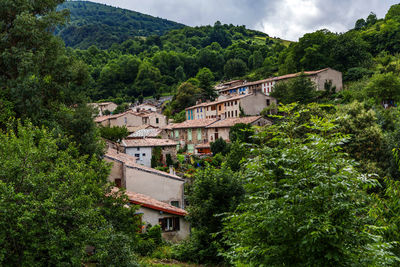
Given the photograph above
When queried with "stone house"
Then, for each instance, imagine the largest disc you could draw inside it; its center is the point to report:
(128, 174)
(221, 128)
(190, 133)
(110, 106)
(319, 77)
(143, 149)
(174, 225)
(231, 106)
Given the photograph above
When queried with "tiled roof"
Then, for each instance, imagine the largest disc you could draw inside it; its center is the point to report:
(109, 117)
(169, 126)
(130, 161)
(133, 129)
(205, 104)
(201, 123)
(287, 76)
(232, 121)
(143, 133)
(151, 203)
(147, 142)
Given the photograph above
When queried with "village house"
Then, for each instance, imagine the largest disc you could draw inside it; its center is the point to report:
(174, 225)
(132, 120)
(189, 132)
(145, 107)
(144, 148)
(230, 106)
(126, 173)
(102, 107)
(221, 128)
(319, 77)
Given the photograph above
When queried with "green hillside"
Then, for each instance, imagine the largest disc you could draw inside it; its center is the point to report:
(102, 25)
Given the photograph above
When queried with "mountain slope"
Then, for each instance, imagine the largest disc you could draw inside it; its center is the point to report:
(102, 25)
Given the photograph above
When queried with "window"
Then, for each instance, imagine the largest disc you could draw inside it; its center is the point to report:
(169, 224)
(199, 134)
(144, 154)
(176, 134)
(219, 108)
(189, 134)
(118, 183)
(235, 103)
(268, 102)
(157, 120)
(138, 149)
(137, 155)
(175, 204)
(125, 120)
(235, 113)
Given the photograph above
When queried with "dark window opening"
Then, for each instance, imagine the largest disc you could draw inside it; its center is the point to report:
(169, 224)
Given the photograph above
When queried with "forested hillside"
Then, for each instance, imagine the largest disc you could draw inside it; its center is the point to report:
(102, 25)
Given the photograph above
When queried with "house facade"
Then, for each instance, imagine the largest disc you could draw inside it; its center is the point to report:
(143, 149)
(174, 225)
(190, 133)
(319, 77)
(102, 107)
(231, 107)
(126, 173)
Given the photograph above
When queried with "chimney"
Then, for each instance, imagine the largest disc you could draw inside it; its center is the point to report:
(171, 170)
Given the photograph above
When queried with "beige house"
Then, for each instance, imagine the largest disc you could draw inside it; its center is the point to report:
(145, 107)
(221, 128)
(172, 220)
(319, 77)
(143, 149)
(110, 106)
(126, 173)
(190, 133)
(132, 120)
(230, 106)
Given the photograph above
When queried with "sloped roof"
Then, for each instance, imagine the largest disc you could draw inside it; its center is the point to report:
(283, 77)
(229, 122)
(147, 142)
(130, 162)
(143, 133)
(201, 123)
(206, 104)
(109, 117)
(151, 203)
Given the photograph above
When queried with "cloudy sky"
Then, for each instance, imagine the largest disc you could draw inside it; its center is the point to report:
(287, 19)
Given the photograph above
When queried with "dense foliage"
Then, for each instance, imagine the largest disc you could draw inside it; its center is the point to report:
(102, 25)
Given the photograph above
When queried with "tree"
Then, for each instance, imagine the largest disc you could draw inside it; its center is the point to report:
(206, 79)
(54, 205)
(241, 132)
(235, 68)
(305, 203)
(300, 89)
(115, 133)
(384, 86)
(213, 193)
(219, 146)
(186, 96)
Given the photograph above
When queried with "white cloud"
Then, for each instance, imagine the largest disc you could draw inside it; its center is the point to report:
(287, 19)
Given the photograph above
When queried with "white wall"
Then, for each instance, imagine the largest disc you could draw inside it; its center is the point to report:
(143, 152)
(151, 216)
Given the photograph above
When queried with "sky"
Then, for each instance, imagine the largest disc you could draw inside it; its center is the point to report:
(287, 19)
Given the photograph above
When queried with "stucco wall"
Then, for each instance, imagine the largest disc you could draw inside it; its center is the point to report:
(131, 121)
(117, 171)
(159, 187)
(329, 74)
(145, 154)
(222, 133)
(152, 216)
(255, 103)
(162, 120)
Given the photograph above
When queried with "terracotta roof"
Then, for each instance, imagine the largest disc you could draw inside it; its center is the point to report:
(205, 104)
(130, 161)
(133, 129)
(151, 203)
(148, 142)
(232, 121)
(287, 76)
(169, 126)
(201, 123)
(109, 117)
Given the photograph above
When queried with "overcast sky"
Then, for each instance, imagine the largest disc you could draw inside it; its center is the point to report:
(287, 19)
